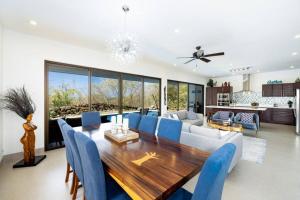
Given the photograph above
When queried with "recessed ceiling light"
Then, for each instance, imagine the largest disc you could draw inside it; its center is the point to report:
(175, 64)
(257, 71)
(297, 36)
(292, 67)
(32, 22)
(294, 53)
(176, 30)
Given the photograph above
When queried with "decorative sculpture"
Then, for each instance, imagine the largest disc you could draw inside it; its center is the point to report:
(18, 101)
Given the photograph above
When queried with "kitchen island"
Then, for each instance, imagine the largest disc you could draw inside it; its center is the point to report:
(268, 114)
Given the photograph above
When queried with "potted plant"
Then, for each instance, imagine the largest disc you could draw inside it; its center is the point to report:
(297, 80)
(210, 83)
(18, 101)
(290, 103)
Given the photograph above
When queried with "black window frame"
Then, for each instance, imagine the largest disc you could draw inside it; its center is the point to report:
(47, 66)
(188, 92)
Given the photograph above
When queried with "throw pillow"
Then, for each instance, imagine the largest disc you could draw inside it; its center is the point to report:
(175, 116)
(224, 115)
(191, 115)
(247, 118)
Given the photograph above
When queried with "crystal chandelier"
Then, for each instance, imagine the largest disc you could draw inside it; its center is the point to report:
(124, 46)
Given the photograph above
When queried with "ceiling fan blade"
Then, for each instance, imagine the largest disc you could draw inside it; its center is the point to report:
(205, 60)
(189, 61)
(185, 57)
(214, 54)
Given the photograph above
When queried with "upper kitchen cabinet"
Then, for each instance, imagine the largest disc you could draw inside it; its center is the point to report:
(212, 94)
(267, 90)
(277, 90)
(280, 90)
(288, 90)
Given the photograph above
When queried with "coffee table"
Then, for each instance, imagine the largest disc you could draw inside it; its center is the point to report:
(226, 127)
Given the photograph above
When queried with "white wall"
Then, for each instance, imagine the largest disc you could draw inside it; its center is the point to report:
(287, 76)
(1, 78)
(23, 63)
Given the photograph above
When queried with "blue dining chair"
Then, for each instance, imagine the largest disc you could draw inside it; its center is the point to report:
(69, 155)
(90, 119)
(69, 131)
(95, 180)
(212, 177)
(133, 120)
(170, 129)
(148, 124)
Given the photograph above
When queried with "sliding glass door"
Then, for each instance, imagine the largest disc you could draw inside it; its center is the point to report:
(105, 92)
(152, 95)
(71, 90)
(132, 93)
(185, 96)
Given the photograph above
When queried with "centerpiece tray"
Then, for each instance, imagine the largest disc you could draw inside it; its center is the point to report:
(120, 137)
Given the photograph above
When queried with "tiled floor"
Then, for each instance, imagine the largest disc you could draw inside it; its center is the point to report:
(278, 178)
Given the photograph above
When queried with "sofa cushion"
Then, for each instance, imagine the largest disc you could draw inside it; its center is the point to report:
(224, 115)
(191, 115)
(247, 117)
(175, 116)
(195, 122)
(182, 114)
(210, 132)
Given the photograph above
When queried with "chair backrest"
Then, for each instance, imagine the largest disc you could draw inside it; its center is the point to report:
(212, 177)
(69, 154)
(90, 119)
(77, 161)
(148, 124)
(94, 178)
(170, 129)
(134, 120)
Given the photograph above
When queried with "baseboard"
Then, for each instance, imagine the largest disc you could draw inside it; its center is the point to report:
(15, 157)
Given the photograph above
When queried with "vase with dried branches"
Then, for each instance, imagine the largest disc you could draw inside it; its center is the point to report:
(18, 101)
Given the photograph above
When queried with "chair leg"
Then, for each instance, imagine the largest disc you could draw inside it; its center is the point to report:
(75, 188)
(68, 172)
(73, 183)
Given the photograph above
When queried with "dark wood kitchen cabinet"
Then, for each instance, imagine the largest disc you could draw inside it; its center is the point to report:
(296, 86)
(283, 116)
(267, 90)
(288, 90)
(212, 95)
(209, 96)
(280, 90)
(277, 90)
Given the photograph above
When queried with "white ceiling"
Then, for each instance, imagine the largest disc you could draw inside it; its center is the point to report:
(257, 33)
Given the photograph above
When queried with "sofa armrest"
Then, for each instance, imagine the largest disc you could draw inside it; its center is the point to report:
(200, 116)
(237, 140)
(256, 120)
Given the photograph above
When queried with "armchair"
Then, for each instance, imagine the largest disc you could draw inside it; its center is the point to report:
(221, 116)
(248, 121)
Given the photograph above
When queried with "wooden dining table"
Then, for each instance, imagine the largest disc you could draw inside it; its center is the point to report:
(148, 167)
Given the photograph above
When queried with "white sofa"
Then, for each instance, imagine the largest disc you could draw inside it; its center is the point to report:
(183, 116)
(209, 139)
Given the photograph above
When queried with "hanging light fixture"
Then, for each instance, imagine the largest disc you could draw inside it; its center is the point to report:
(124, 45)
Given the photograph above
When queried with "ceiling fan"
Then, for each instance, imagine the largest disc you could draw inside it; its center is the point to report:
(199, 54)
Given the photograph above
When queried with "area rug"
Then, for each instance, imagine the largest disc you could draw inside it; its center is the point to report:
(254, 149)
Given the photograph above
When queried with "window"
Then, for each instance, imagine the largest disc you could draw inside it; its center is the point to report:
(152, 95)
(105, 92)
(185, 96)
(72, 90)
(172, 96)
(68, 91)
(132, 94)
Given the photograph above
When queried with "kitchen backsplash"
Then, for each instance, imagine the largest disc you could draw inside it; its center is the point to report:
(240, 98)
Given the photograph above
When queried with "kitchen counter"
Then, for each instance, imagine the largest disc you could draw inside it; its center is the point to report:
(239, 108)
(245, 107)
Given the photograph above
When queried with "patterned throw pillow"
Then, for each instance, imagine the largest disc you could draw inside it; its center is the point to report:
(224, 115)
(247, 118)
